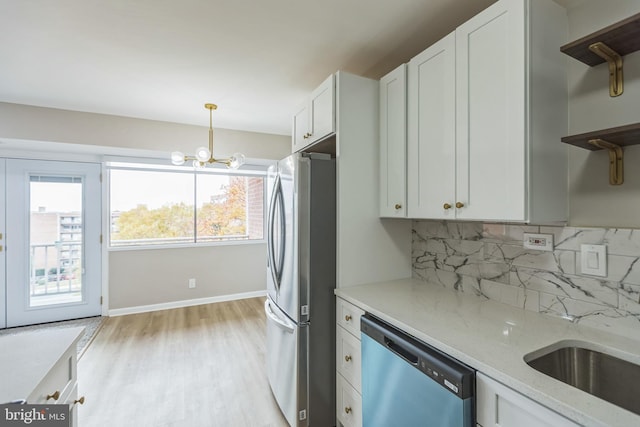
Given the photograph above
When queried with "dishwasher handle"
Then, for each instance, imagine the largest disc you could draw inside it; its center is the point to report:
(401, 351)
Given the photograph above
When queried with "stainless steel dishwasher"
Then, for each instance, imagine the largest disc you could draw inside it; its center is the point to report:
(407, 383)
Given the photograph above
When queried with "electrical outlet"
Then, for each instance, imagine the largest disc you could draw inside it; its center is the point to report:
(192, 283)
(540, 242)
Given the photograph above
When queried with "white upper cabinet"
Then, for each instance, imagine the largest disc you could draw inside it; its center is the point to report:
(491, 139)
(431, 165)
(487, 109)
(316, 118)
(393, 143)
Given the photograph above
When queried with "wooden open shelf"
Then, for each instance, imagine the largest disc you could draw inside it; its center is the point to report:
(622, 136)
(623, 37)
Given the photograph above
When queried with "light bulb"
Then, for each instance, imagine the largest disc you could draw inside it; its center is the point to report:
(236, 160)
(203, 154)
(177, 158)
(197, 164)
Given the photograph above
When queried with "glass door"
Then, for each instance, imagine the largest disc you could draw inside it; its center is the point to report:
(53, 212)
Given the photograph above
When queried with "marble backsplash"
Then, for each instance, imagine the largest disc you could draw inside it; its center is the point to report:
(489, 260)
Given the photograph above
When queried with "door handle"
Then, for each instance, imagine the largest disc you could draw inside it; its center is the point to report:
(271, 224)
(401, 351)
(272, 316)
(283, 231)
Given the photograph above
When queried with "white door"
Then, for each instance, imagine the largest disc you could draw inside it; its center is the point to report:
(431, 137)
(321, 104)
(393, 143)
(300, 131)
(490, 148)
(53, 222)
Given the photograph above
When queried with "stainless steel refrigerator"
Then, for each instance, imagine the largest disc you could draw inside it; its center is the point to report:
(301, 275)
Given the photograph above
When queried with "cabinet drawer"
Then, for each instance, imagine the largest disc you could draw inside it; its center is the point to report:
(348, 404)
(348, 357)
(348, 316)
(61, 378)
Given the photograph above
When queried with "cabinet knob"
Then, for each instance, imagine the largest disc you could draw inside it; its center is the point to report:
(54, 396)
(305, 136)
(347, 358)
(459, 205)
(347, 317)
(347, 409)
(446, 206)
(398, 206)
(80, 401)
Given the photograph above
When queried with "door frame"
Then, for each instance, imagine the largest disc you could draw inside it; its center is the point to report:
(17, 306)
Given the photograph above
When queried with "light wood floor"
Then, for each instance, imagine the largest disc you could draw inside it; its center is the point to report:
(195, 366)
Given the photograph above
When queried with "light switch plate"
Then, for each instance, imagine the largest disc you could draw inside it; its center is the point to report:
(540, 242)
(593, 260)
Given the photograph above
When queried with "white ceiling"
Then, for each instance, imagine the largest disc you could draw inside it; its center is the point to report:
(163, 59)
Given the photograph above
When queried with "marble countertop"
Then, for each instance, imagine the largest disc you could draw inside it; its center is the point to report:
(494, 338)
(26, 358)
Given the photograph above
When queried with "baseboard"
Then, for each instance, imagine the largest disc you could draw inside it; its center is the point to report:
(184, 303)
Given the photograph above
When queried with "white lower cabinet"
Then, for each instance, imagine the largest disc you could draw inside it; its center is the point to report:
(41, 368)
(348, 364)
(348, 357)
(348, 404)
(501, 406)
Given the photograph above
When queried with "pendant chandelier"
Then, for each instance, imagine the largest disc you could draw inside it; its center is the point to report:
(204, 155)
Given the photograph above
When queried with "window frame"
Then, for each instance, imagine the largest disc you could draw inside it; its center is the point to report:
(246, 171)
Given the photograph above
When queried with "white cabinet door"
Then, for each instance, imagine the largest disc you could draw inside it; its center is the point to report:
(431, 137)
(300, 131)
(321, 105)
(500, 406)
(491, 113)
(393, 143)
(348, 357)
(348, 404)
(348, 316)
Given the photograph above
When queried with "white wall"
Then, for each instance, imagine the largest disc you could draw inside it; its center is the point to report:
(145, 277)
(24, 122)
(592, 201)
(158, 276)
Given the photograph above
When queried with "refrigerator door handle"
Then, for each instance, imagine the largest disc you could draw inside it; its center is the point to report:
(270, 237)
(277, 205)
(283, 231)
(283, 324)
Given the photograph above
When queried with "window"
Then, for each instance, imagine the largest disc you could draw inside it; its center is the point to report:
(164, 206)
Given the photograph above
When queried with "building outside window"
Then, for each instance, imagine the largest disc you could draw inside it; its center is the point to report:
(167, 206)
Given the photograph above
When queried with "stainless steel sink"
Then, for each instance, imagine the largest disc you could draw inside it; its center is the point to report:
(615, 380)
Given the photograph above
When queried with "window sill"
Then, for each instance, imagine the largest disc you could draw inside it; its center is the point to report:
(184, 245)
